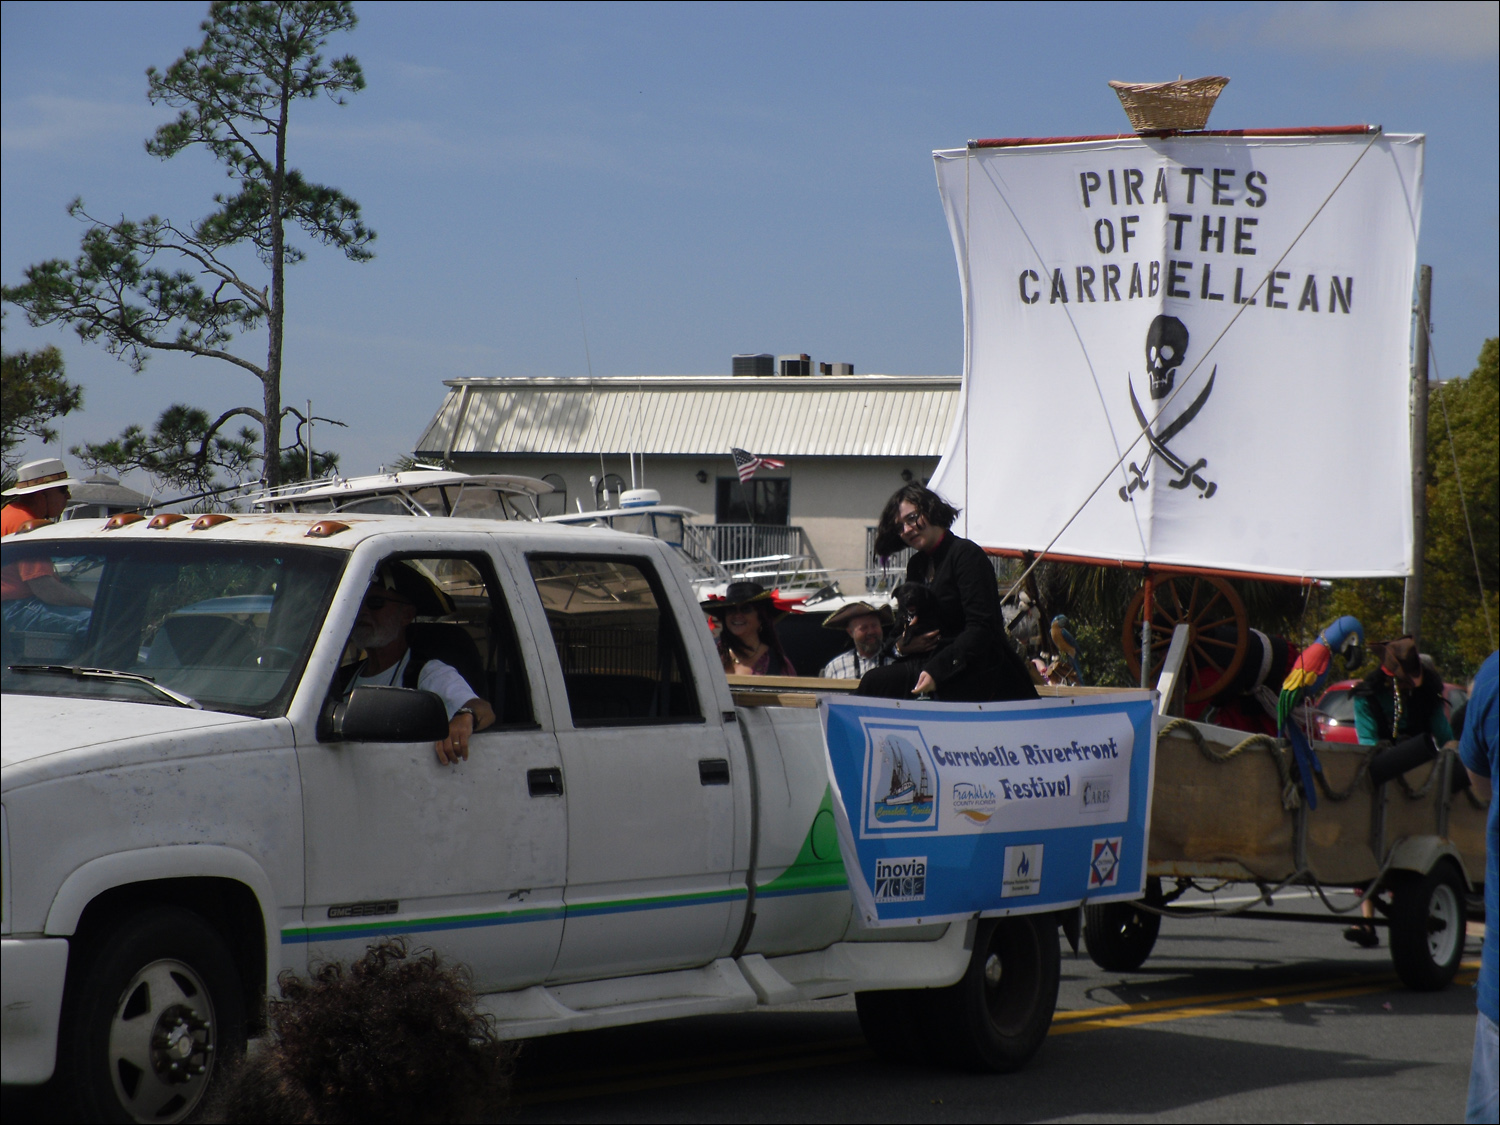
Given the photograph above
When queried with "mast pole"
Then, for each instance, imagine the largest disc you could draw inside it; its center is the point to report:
(1411, 606)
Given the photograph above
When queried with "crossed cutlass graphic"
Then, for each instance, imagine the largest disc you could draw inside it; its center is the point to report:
(1166, 346)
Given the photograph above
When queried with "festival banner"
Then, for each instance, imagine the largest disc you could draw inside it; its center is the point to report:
(947, 810)
(1194, 348)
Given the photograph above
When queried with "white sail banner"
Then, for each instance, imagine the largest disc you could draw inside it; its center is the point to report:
(1194, 348)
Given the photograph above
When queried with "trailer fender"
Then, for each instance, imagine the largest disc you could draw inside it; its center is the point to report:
(1422, 853)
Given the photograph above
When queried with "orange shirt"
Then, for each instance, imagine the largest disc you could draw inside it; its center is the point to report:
(15, 579)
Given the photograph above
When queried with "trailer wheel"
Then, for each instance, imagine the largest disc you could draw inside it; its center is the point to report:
(996, 1017)
(1427, 927)
(152, 1020)
(1120, 935)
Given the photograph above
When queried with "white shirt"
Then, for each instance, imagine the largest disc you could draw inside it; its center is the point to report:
(851, 665)
(441, 679)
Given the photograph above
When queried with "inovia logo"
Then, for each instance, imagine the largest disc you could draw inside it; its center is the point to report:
(1095, 792)
(901, 880)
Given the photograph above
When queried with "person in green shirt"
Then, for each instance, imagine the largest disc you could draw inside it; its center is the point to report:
(1401, 699)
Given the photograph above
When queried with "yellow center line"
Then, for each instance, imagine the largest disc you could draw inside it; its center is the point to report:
(1258, 1003)
(1379, 980)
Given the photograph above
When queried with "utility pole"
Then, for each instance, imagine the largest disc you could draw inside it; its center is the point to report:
(309, 439)
(1411, 607)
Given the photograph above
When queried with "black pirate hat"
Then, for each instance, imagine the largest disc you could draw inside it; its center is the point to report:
(409, 584)
(741, 593)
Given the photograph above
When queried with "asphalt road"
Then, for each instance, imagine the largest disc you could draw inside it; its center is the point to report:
(1230, 1020)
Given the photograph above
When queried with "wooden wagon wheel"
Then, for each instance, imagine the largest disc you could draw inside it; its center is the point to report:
(1207, 605)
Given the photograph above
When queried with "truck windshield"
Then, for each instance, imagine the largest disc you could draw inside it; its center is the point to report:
(226, 625)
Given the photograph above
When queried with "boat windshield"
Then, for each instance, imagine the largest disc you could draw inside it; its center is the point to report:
(476, 501)
(666, 526)
(226, 626)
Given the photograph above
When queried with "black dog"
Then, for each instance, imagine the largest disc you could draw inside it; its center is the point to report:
(916, 612)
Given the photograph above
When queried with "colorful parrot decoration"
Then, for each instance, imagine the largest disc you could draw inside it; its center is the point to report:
(1306, 681)
(1067, 645)
(1309, 675)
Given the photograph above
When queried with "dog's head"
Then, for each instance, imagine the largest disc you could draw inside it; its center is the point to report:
(916, 609)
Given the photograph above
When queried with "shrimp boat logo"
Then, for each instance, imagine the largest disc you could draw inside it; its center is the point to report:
(901, 781)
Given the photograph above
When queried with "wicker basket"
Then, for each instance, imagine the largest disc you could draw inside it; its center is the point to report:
(1181, 105)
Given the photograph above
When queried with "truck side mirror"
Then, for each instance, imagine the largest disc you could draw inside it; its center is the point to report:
(384, 714)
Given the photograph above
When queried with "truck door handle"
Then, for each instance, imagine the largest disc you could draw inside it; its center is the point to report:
(544, 782)
(713, 771)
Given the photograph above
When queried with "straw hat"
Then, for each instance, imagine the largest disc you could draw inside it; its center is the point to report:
(38, 476)
(839, 619)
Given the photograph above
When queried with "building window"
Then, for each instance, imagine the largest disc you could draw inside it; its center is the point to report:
(762, 500)
(554, 503)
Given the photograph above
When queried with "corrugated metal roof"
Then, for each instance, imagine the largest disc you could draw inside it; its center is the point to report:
(841, 416)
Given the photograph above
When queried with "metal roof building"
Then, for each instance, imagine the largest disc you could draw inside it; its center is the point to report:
(656, 415)
(848, 442)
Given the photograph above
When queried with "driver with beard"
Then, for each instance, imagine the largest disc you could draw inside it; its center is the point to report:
(381, 630)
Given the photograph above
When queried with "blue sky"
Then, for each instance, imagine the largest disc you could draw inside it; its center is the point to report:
(713, 178)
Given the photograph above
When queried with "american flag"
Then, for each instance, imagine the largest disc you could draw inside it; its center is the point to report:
(746, 464)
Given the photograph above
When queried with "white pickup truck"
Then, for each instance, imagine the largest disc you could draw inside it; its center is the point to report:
(190, 808)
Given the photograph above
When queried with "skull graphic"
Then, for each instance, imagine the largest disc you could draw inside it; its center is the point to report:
(1166, 344)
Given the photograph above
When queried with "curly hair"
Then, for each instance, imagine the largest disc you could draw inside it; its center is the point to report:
(938, 511)
(392, 1037)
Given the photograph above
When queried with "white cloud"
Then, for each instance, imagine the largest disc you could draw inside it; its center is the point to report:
(51, 123)
(1444, 29)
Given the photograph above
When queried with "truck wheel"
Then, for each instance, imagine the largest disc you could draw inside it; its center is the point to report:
(1120, 935)
(997, 1016)
(152, 1020)
(1427, 926)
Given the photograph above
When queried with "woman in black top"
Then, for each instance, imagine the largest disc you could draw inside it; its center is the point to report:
(967, 658)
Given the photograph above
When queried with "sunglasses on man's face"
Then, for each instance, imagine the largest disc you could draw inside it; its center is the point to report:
(377, 602)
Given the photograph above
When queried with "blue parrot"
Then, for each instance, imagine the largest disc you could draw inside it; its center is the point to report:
(1067, 645)
(1309, 675)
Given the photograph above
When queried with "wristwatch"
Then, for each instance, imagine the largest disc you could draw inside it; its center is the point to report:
(469, 711)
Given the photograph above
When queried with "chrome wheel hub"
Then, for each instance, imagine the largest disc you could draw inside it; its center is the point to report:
(161, 1042)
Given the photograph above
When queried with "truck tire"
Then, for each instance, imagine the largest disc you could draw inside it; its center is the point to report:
(153, 1018)
(1120, 935)
(1427, 926)
(996, 1017)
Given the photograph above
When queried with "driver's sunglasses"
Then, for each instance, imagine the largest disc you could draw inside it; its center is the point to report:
(911, 522)
(378, 602)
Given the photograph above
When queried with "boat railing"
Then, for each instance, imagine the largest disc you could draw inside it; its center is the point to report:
(732, 543)
(885, 573)
(296, 488)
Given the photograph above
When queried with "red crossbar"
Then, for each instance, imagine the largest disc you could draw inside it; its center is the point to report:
(1155, 568)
